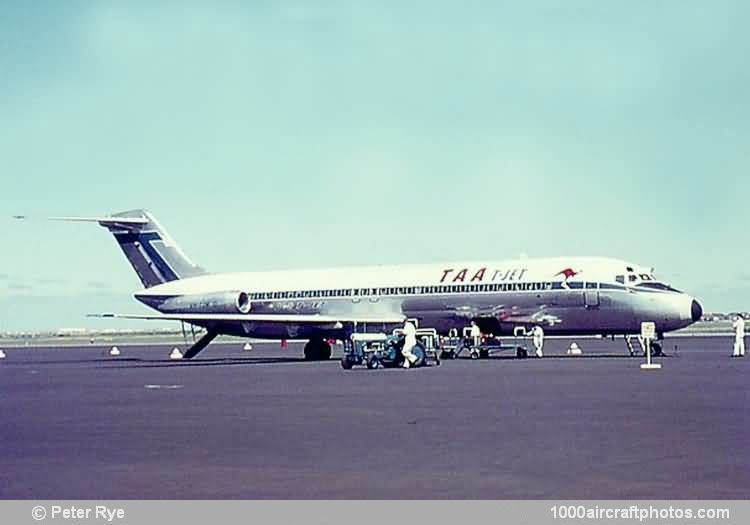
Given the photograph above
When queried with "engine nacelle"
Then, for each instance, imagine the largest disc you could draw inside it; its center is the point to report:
(211, 303)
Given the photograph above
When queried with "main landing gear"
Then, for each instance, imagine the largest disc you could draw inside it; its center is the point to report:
(200, 345)
(317, 350)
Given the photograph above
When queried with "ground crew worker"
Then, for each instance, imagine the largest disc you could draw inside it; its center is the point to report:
(476, 335)
(739, 336)
(538, 339)
(410, 341)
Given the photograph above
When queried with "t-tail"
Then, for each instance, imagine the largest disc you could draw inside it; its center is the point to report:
(152, 253)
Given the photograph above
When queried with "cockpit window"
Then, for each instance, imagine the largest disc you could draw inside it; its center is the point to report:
(620, 279)
(658, 286)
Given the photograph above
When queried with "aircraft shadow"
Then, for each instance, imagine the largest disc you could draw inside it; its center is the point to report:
(71, 361)
(227, 361)
(129, 362)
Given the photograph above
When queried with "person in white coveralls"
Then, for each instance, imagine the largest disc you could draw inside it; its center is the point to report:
(476, 335)
(538, 338)
(739, 336)
(410, 341)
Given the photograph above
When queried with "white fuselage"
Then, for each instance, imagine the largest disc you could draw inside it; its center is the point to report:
(567, 295)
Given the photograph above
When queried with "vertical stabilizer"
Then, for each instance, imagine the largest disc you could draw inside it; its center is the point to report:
(152, 253)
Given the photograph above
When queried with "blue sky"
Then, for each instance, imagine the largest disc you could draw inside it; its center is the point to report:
(296, 134)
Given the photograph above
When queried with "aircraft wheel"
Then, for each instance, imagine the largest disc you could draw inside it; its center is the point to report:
(317, 350)
(346, 363)
(521, 353)
(310, 350)
(656, 350)
(474, 354)
(418, 351)
(325, 351)
(372, 362)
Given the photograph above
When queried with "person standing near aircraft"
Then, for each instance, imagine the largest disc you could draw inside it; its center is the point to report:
(476, 335)
(739, 336)
(410, 341)
(538, 339)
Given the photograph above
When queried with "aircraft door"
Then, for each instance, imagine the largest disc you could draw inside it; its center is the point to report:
(591, 296)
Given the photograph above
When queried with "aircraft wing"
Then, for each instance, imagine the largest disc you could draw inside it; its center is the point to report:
(279, 318)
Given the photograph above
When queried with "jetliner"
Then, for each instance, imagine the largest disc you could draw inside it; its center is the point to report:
(563, 295)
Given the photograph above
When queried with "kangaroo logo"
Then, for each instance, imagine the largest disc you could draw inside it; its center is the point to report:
(567, 273)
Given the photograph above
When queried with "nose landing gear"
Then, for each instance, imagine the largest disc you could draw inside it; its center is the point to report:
(656, 349)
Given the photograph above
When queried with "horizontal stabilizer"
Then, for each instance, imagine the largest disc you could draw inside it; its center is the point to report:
(150, 250)
(104, 221)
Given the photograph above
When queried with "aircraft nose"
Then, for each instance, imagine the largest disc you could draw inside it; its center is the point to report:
(696, 311)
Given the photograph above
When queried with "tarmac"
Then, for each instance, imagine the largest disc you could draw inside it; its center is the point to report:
(78, 424)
